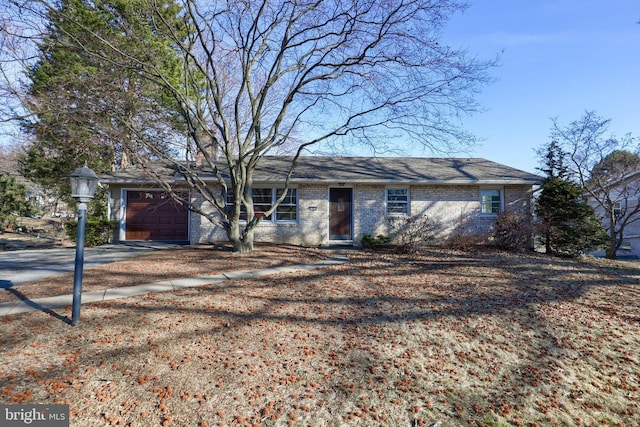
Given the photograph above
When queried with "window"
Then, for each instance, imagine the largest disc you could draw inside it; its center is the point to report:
(617, 209)
(288, 209)
(490, 202)
(261, 200)
(397, 201)
(264, 198)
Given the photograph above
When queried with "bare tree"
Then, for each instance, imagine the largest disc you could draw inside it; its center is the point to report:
(260, 74)
(606, 167)
(18, 39)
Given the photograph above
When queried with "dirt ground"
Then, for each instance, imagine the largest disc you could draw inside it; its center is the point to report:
(447, 338)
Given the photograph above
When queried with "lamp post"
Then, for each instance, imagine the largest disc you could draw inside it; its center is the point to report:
(83, 186)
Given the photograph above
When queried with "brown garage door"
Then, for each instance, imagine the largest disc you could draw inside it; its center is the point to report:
(154, 215)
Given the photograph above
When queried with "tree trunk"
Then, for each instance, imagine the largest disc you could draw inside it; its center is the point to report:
(240, 243)
(610, 252)
(244, 244)
(547, 242)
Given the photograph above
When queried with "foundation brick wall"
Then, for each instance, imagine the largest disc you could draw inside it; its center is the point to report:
(455, 208)
(447, 205)
(311, 228)
(369, 211)
(518, 198)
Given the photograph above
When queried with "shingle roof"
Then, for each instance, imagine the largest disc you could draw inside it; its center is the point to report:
(388, 170)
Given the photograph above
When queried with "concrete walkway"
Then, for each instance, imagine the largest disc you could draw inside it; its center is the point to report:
(46, 304)
(27, 266)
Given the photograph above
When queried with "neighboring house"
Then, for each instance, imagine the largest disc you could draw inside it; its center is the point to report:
(331, 199)
(624, 195)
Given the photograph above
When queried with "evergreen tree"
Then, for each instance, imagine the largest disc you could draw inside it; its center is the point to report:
(567, 222)
(86, 108)
(553, 160)
(13, 199)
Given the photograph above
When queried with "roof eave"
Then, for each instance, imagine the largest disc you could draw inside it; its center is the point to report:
(123, 181)
(413, 182)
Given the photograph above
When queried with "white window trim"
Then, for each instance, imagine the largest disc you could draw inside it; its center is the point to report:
(491, 214)
(274, 193)
(386, 201)
(109, 202)
(617, 209)
(274, 190)
(122, 210)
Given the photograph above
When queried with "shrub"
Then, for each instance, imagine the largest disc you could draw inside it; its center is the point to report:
(467, 235)
(370, 242)
(97, 232)
(513, 231)
(410, 233)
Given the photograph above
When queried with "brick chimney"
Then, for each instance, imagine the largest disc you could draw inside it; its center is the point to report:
(210, 146)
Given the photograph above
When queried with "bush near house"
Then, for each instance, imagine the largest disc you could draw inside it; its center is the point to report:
(97, 232)
(407, 234)
(410, 233)
(374, 243)
(467, 235)
(513, 231)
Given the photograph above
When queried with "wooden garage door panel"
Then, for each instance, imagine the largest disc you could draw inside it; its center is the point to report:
(153, 215)
(165, 220)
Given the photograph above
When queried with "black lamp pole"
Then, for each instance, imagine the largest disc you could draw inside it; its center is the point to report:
(79, 264)
(83, 186)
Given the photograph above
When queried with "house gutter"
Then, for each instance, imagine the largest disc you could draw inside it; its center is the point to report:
(121, 181)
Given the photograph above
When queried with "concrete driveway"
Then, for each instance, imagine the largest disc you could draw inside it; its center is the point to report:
(17, 267)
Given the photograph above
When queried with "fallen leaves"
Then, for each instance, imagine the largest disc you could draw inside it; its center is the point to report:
(179, 262)
(449, 337)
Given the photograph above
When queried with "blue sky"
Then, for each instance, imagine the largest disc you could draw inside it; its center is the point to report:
(559, 58)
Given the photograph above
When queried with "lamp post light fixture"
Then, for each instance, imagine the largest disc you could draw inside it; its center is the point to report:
(84, 182)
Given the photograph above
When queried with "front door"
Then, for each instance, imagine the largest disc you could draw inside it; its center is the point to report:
(340, 213)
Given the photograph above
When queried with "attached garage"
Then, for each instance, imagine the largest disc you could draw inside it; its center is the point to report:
(154, 215)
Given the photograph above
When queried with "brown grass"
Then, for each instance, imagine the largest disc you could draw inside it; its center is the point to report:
(179, 262)
(456, 338)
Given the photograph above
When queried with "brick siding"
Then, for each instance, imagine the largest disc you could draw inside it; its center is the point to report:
(453, 207)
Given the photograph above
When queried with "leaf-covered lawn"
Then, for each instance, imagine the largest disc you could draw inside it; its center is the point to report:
(178, 262)
(483, 338)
